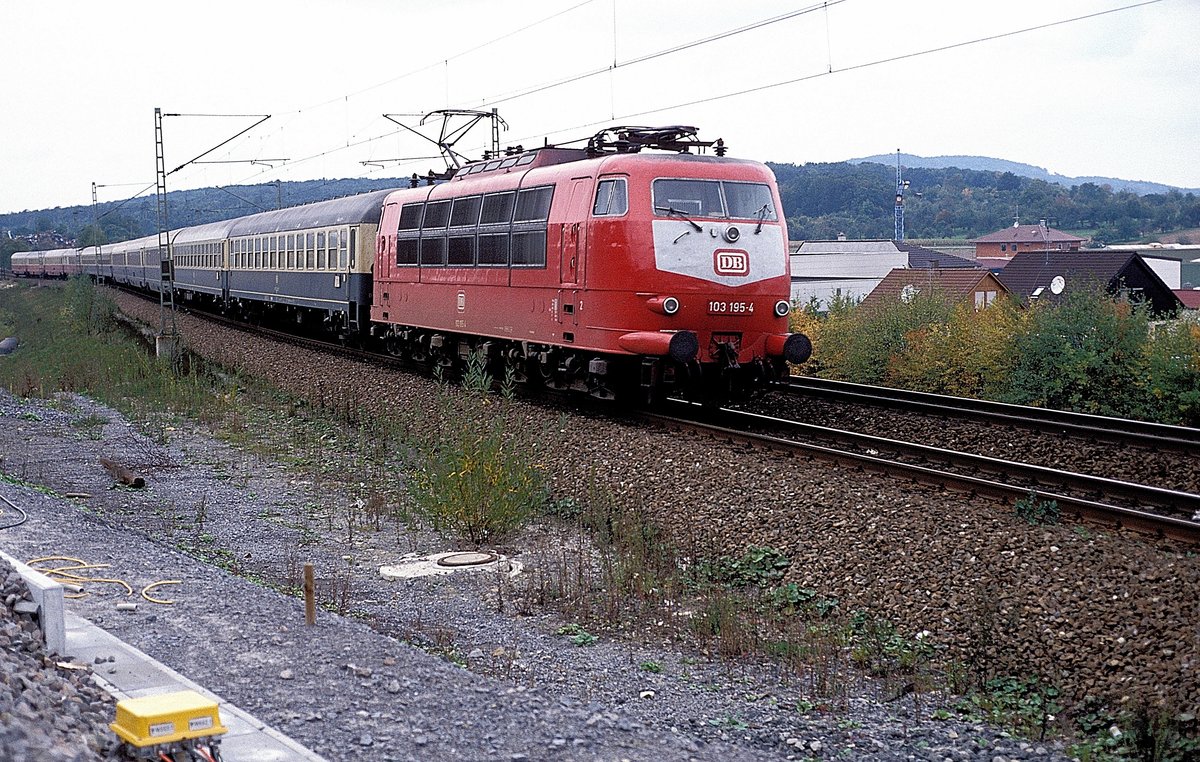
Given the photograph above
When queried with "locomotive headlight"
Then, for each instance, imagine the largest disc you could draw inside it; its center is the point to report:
(783, 307)
(664, 305)
(732, 234)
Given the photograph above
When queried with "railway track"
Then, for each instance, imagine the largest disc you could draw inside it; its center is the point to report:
(1097, 428)
(1111, 502)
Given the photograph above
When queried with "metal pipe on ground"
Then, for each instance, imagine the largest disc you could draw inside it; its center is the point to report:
(123, 474)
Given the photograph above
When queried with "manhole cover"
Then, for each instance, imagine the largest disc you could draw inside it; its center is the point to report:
(467, 559)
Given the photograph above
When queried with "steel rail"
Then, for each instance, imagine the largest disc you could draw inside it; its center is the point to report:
(1122, 430)
(1047, 483)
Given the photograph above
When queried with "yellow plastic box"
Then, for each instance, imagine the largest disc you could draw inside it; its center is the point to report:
(167, 718)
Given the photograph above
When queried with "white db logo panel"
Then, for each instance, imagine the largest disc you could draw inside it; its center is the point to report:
(731, 262)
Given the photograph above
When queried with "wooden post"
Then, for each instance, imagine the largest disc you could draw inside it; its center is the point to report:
(310, 605)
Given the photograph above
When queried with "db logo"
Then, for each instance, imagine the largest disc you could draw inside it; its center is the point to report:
(731, 262)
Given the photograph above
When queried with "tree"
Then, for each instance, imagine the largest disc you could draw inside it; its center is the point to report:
(8, 247)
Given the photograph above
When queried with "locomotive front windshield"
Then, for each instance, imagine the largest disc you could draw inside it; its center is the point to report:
(714, 198)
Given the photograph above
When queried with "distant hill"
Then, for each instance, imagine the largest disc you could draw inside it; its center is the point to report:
(986, 164)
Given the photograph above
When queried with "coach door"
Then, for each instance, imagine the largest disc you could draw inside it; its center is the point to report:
(574, 232)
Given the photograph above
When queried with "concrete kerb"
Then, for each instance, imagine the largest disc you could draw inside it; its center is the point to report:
(48, 595)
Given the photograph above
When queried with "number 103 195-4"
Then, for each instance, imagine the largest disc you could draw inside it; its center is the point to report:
(730, 308)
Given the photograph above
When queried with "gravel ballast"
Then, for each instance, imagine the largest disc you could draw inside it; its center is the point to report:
(1096, 611)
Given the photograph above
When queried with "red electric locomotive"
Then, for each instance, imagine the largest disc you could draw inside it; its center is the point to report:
(584, 268)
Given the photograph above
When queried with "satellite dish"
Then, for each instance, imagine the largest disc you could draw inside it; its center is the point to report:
(1058, 284)
(908, 293)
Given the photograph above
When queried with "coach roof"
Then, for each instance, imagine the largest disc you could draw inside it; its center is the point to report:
(352, 210)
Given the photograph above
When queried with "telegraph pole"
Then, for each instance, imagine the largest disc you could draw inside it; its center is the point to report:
(167, 343)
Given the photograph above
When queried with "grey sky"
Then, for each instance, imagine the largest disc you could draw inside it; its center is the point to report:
(1112, 95)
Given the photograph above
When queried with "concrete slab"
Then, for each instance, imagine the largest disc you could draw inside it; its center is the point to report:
(48, 595)
(133, 674)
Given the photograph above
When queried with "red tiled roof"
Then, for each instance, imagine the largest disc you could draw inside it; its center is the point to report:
(1028, 234)
(955, 284)
(1190, 298)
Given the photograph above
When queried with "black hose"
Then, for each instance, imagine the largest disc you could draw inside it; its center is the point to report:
(18, 509)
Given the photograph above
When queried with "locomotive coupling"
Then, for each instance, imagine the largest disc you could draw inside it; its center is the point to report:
(681, 346)
(794, 347)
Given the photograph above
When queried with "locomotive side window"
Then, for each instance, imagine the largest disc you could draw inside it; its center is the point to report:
(612, 198)
(433, 251)
(699, 198)
(494, 219)
(437, 214)
(410, 216)
(464, 216)
(529, 248)
(465, 211)
(533, 204)
(461, 251)
(407, 243)
(407, 251)
(493, 249)
(497, 208)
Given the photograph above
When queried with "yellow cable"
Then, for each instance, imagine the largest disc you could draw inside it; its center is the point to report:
(153, 585)
(54, 558)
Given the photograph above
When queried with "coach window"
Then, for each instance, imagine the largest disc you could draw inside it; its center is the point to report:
(529, 226)
(612, 198)
(257, 253)
(310, 251)
(337, 243)
(321, 251)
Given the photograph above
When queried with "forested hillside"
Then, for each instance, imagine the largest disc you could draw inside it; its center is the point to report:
(819, 201)
(823, 200)
(122, 220)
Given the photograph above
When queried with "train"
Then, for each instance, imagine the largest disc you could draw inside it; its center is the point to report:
(638, 266)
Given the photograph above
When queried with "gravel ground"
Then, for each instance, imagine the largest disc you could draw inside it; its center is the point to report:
(1104, 615)
(346, 686)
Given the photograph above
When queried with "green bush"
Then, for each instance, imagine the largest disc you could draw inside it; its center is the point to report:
(477, 481)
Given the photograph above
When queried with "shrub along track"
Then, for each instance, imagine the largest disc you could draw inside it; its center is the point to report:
(1104, 615)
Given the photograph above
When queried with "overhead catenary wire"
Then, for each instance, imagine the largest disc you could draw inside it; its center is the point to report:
(854, 67)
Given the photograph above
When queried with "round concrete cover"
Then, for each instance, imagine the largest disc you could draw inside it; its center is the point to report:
(467, 559)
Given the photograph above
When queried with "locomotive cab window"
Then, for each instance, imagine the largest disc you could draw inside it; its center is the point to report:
(749, 201)
(698, 198)
(714, 198)
(612, 198)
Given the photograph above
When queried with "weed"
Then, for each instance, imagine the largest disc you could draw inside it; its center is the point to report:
(577, 635)
(651, 666)
(479, 482)
(758, 567)
(1033, 510)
